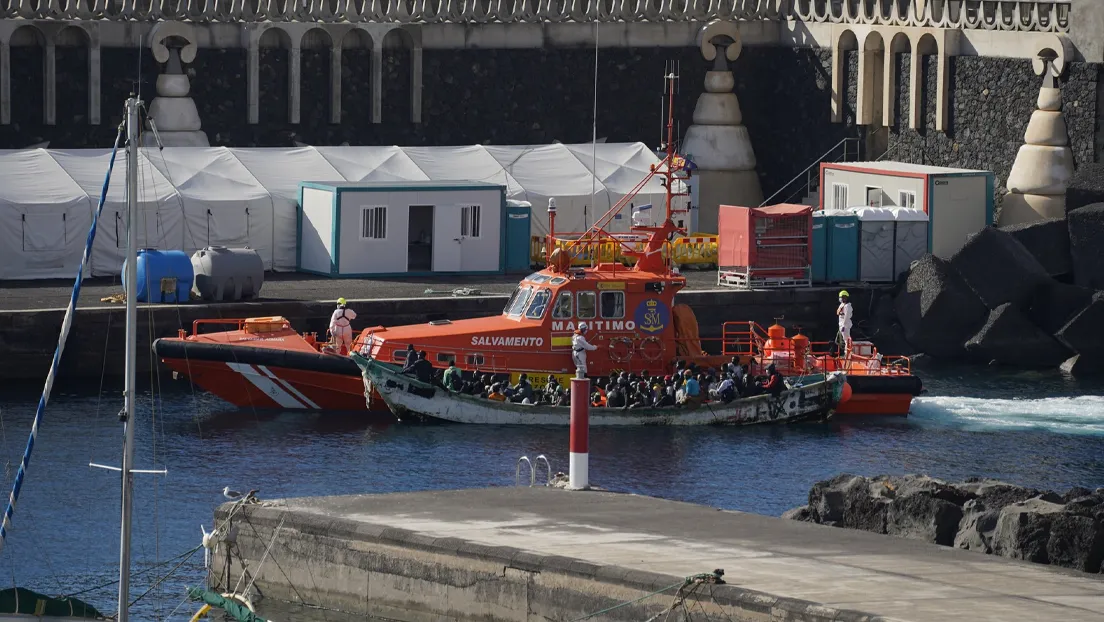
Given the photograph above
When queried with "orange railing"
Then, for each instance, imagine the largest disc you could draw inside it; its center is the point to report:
(750, 339)
(692, 250)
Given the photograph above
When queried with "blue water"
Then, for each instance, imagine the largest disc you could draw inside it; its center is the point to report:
(1038, 429)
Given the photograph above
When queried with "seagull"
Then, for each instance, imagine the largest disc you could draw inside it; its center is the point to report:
(232, 495)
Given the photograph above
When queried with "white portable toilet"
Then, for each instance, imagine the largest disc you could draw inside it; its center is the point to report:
(876, 246)
(911, 239)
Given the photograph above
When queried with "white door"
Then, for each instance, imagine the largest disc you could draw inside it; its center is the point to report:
(446, 239)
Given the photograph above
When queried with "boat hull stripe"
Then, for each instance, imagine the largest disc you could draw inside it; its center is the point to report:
(288, 386)
(265, 384)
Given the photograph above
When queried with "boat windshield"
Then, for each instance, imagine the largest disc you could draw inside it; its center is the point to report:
(519, 300)
(537, 277)
(539, 304)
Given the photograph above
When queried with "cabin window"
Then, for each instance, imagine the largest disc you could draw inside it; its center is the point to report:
(559, 280)
(537, 277)
(520, 300)
(470, 221)
(839, 196)
(906, 199)
(539, 304)
(398, 356)
(373, 223)
(474, 360)
(562, 310)
(446, 357)
(585, 306)
(613, 305)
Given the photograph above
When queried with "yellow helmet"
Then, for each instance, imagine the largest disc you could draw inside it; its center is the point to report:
(341, 301)
(844, 293)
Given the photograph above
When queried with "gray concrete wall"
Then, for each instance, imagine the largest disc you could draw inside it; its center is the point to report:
(367, 569)
(28, 354)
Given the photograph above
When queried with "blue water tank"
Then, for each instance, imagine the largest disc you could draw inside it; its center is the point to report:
(163, 276)
(820, 247)
(843, 247)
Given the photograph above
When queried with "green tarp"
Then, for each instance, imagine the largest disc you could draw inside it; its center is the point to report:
(21, 600)
(233, 608)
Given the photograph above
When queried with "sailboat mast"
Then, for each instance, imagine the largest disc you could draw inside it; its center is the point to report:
(669, 171)
(131, 282)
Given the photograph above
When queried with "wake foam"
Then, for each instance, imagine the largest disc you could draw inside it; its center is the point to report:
(1068, 415)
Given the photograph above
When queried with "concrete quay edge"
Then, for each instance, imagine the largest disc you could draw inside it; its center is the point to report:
(742, 600)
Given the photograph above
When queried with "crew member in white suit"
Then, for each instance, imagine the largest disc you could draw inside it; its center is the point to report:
(844, 312)
(340, 326)
(579, 347)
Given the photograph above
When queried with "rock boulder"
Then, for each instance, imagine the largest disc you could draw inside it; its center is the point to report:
(975, 531)
(1084, 334)
(1086, 230)
(1055, 304)
(1009, 338)
(1023, 530)
(923, 516)
(1048, 242)
(998, 268)
(937, 310)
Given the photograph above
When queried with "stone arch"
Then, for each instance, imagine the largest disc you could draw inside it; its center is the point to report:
(315, 54)
(898, 52)
(357, 77)
(870, 96)
(274, 54)
(73, 66)
(843, 41)
(923, 44)
(28, 68)
(396, 76)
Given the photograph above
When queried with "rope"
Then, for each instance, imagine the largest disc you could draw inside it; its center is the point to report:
(66, 324)
(162, 579)
(136, 574)
(696, 579)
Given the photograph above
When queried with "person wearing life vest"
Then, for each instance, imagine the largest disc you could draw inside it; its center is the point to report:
(844, 312)
(340, 326)
(579, 347)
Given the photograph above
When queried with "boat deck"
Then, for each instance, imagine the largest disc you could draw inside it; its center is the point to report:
(592, 545)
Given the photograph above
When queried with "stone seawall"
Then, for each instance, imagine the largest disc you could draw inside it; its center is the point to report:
(26, 337)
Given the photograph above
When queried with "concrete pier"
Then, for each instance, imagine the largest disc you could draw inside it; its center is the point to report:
(30, 315)
(547, 554)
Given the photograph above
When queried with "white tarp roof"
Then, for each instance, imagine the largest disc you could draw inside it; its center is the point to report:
(191, 197)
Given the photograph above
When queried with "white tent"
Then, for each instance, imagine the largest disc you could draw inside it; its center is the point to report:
(44, 217)
(280, 176)
(191, 197)
(223, 204)
(160, 222)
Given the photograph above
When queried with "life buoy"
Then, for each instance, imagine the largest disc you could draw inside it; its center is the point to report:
(651, 348)
(620, 349)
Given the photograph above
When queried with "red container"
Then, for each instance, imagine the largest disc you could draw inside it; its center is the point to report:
(771, 241)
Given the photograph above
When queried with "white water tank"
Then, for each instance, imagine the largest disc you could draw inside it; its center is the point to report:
(227, 274)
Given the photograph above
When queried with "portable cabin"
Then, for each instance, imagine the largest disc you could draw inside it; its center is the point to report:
(818, 247)
(877, 226)
(958, 202)
(419, 228)
(843, 246)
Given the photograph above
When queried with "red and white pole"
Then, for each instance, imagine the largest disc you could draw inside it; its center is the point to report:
(578, 471)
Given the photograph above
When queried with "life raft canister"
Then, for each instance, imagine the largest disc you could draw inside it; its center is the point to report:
(255, 325)
(776, 341)
(800, 350)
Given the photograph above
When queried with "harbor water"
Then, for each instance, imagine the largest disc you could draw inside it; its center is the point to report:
(1033, 428)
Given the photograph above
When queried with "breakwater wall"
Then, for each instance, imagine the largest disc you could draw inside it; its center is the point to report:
(542, 554)
(96, 343)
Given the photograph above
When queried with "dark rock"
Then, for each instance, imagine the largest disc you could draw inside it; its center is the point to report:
(1023, 530)
(800, 513)
(1086, 229)
(1076, 542)
(1054, 304)
(1083, 365)
(998, 268)
(826, 499)
(1087, 505)
(1078, 493)
(1009, 338)
(975, 532)
(922, 516)
(937, 310)
(849, 501)
(1048, 242)
(1084, 334)
(1087, 185)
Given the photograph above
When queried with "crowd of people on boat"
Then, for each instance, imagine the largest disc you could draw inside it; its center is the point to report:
(689, 385)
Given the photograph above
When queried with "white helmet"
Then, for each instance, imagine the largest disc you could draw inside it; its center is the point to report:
(582, 325)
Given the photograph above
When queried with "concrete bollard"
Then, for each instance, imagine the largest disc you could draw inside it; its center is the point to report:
(578, 471)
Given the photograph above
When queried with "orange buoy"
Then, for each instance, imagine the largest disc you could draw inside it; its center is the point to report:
(800, 350)
(845, 394)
